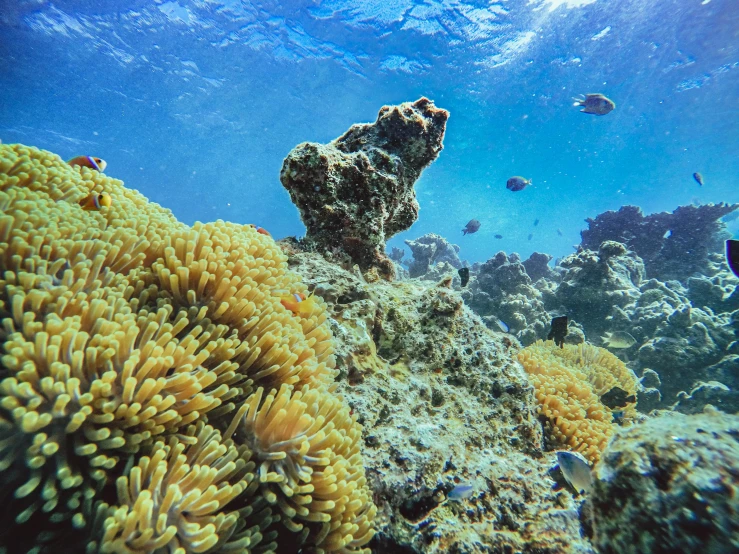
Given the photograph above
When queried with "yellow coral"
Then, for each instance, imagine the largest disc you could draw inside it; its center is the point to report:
(125, 330)
(568, 383)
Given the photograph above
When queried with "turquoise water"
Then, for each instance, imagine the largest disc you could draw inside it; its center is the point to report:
(196, 103)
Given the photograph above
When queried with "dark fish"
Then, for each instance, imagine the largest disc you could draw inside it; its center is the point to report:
(498, 236)
(617, 398)
(698, 178)
(464, 275)
(471, 227)
(558, 331)
(732, 255)
(531, 236)
(595, 103)
(536, 222)
(517, 183)
(559, 232)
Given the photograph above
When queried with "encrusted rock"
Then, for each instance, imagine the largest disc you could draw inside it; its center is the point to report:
(442, 402)
(431, 249)
(357, 191)
(669, 485)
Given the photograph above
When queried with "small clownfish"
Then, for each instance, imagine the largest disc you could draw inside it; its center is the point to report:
(298, 304)
(94, 201)
(261, 230)
(97, 164)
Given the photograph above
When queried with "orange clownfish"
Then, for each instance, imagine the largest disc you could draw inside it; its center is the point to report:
(261, 230)
(95, 200)
(97, 164)
(298, 304)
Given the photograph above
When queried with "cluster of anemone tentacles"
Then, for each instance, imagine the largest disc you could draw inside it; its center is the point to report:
(569, 383)
(155, 395)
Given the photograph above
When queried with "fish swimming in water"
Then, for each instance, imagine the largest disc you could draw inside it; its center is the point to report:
(94, 201)
(531, 236)
(298, 303)
(618, 339)
(88, 161)
(617, 398)
(595, 103)
(502, 325)
(536, 222)
(260, 230)
(464, 275)
(559, 232)
(460, 492)
(471, 227)
(517, 183)
(498, 236)
(732, 255)
(618, 417)
(576, 470)
(558, 331)
(698, 178)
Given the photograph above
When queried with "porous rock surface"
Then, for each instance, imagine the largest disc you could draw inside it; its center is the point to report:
(430, 249)
(669, 485)
(357, 191)
(443, 402)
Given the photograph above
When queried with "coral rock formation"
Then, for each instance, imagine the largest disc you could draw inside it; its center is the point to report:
(442, 401)
(503, 290)
(663, 239)
(431, 249)
(129, 339)
(669, 485)
(357, 191)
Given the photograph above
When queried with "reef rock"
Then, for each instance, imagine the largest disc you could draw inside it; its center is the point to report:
(673, 245)
(537, 266)
(502, 290)
(430, 249)
(669, 485)
(593, 283)
(357, 191)
(443, 403)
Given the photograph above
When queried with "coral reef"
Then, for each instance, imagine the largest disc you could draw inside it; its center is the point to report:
(502, 289)
(663, 239)
(129, 340)
(537, 267)
(431, 249)
(442, 402)
(357, 191)
(669, 485)
(569, 384)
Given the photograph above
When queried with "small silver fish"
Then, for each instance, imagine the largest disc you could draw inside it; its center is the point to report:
(503, 326)
(618, 339)
(461, 492)
(576, 470)
(595, 103)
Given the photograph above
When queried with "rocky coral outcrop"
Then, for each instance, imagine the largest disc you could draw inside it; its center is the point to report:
(669, 485)
(443, 403)
(431, 249)
(673, 245)
(357, 191)
(503, 289)
(537, 266)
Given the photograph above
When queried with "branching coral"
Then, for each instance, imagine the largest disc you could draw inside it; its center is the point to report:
(128, 339)
(569, 382)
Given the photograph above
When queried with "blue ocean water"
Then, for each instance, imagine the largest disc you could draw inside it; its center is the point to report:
(196, 103)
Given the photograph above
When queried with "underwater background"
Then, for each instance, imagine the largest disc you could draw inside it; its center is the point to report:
(369, 277)
(195, 104)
